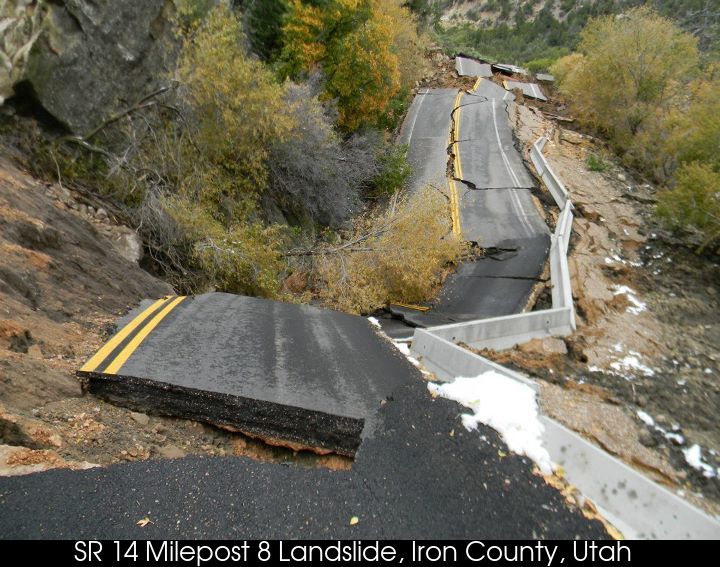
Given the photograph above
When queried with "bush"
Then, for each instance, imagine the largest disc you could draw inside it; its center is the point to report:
(595, 162)
(396, 255)
(628, 75)
(236, 111)
(315, 174)
(694, 202)
(394, 171)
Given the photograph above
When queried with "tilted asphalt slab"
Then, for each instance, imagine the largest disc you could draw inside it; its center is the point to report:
(296, 373)
(500, 283)
(530, 90)
(419, 474)
(486, 90)
(467, 67)
(426, 130)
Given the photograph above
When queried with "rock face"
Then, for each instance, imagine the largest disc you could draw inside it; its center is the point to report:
(98, 57)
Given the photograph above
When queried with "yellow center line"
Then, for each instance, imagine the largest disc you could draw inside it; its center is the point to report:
(119, 337)
(454, 200)
(410, 306)
(477, 83)
(129, 349)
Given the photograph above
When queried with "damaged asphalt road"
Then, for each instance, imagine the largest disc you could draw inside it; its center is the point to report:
(418, 475)
(495, 207)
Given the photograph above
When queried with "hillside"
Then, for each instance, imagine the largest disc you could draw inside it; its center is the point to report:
(543, 30)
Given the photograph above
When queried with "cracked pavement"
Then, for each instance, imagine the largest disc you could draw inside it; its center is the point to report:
(494, 201)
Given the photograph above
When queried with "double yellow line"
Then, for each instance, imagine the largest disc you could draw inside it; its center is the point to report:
(454, 199)
(142, 326)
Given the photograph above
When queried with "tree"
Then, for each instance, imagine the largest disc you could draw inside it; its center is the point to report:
(363, 74)
(368, 49)
(236, 110)
(397, 254)
(629, 74)
(265, 20)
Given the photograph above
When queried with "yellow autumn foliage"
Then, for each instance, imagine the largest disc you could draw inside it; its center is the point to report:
(395, 255)
(369, 50)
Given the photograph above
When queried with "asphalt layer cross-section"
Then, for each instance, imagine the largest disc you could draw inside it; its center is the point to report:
(419, 474)
(314, 377)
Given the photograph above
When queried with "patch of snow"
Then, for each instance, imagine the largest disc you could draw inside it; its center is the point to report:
(404, 348)
(693, 456)
(507, 406)
(637, 305)
(708, 371)
(631, 363)
(674, 437)
(650, 422)
(645, 418)
(375, 322)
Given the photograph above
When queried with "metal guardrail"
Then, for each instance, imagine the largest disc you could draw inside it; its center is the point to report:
(551, 181)
(505, 332)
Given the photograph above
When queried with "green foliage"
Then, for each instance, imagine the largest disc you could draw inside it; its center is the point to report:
(190, 12)
(368, 49)
(698, 133)
(265, 20)
(239, 257)
(540, 65)
(694, 201)
(595, 162)
(237, 112)
(394, 171)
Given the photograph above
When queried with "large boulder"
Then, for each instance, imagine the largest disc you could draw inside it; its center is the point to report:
(98, 57)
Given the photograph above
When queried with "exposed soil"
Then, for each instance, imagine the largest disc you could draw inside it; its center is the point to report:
(64, 280)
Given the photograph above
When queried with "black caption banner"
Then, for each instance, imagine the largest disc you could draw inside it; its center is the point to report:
(204, 553)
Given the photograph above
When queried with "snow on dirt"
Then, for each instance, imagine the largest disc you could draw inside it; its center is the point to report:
(637, 306)
(693, 455)
(507, 406)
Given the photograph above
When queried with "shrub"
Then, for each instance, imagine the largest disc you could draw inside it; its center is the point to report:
(694, 202)
(395, 255)
(595, 162)
(315, 174)
(394, 171)
(236, 111)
